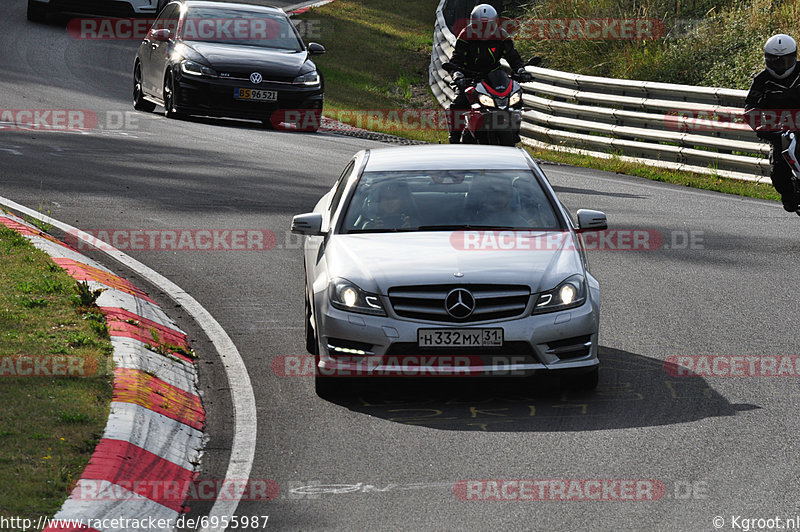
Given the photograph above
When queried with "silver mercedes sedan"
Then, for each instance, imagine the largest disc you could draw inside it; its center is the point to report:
(448, 261)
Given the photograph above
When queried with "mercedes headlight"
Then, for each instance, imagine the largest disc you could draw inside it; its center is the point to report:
(309, 79)
(193, 68)
(569, 294)
(486, 101)
(345, 295)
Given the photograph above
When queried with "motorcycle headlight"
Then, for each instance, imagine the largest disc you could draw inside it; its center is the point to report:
(569, 294)
(193, 68)
(309, 79)
(515, 98)
(345, 295)
(486, 101)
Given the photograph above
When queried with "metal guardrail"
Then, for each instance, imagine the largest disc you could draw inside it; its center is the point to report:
(678, 127)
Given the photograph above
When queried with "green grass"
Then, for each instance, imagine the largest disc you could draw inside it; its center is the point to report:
(703, 42)
(49, 425)
(377, 56)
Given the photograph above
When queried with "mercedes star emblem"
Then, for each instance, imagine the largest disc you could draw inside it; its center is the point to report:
(459, 303)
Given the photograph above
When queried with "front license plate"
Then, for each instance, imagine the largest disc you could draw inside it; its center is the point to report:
(255, 95)
(460, 337)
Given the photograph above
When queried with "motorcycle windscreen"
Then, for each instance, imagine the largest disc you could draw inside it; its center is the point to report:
(498, 80)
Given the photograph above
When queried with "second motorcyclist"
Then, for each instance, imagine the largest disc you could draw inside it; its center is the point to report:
(776, 91)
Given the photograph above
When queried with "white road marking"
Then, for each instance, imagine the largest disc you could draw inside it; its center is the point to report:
(242, 397)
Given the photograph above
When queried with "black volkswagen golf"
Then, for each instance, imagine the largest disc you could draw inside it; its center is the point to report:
(232, 60)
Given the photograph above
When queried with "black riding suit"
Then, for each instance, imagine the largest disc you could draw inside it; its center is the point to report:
(479, 52)
(773, 94)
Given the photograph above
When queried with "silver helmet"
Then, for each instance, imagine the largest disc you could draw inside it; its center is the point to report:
(780, 55)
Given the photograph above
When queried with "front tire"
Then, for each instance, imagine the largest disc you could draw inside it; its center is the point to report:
(170, 94)
(139, 103)
(506, 138)
(37, 12)
(586, 382)
(311, 336)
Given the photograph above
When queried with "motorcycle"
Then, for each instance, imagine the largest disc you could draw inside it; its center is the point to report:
(495, 105)
(792, 157)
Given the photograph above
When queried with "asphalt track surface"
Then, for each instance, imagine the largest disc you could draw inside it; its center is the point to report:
(719, 446)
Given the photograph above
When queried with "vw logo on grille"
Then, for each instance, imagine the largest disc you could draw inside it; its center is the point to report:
(256, 78)
(459, 303)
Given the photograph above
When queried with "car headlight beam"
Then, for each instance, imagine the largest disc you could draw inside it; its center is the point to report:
(569, 294)
(193, 68)
(345, 295)
(309, 79)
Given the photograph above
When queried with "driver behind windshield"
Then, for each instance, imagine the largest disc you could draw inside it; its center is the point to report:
(393, 207)
(479, 48)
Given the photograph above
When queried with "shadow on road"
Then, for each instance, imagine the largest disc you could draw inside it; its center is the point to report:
(634, 391)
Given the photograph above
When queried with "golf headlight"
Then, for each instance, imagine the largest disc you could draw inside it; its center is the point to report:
(486, 101)
(515, 98)
(193, 68)
(345, 295)
(569, 294)
(310, 78)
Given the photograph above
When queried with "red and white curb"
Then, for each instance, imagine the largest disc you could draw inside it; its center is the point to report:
(143, 466)
(302, 8)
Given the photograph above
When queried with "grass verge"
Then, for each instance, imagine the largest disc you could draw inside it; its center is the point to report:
(706, 182)
(377, 58)
(49, 425)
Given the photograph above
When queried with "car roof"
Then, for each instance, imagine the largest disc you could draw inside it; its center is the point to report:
(447, 157)
(230, 5)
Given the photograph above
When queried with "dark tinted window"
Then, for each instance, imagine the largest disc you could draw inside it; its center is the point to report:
(449, 200)
(236, 26)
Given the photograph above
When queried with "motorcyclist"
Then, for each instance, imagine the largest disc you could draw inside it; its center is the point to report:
(774, 89)
(479, 48)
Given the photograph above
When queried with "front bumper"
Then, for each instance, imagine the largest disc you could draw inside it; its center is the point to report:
(214, 97)
(562, 342)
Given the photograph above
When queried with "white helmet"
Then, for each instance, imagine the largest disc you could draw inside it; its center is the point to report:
(780, 55)
(483, 13)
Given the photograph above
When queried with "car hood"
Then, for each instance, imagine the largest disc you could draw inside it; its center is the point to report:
(379, 261)
(236, 58)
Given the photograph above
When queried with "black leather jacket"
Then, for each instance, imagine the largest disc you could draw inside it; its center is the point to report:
(766, 92)
(483, 54)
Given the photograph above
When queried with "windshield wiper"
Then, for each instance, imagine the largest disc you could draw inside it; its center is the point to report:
(382, 230)
(456, 227)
